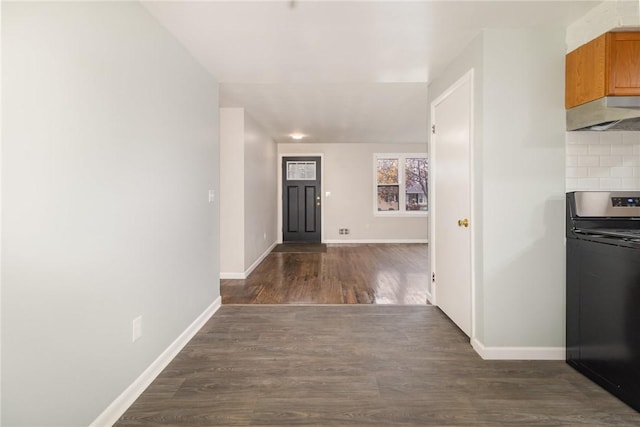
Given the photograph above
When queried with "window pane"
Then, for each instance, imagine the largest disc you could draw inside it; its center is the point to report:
(387, 171)
(416, 174)
(301, 171)
(388, 197)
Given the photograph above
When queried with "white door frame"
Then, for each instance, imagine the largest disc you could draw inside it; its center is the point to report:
(322, 196)
(468, 77)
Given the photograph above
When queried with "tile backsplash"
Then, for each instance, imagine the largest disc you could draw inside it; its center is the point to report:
(603, 160)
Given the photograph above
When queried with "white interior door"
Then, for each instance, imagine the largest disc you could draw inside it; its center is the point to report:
(451, 209)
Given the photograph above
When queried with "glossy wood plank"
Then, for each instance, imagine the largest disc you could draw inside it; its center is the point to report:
(360, 365)
(344, 274)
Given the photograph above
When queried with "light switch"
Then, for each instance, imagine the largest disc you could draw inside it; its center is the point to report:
(327, 194)
(212, 196)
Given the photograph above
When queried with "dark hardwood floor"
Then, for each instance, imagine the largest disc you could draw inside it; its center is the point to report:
(344, 274)
(360, 365)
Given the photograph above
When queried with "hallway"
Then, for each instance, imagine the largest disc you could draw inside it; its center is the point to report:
(344, 274)
(360, 365)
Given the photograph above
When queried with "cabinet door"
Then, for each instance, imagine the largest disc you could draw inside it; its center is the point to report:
(624, 64)
(585, 73)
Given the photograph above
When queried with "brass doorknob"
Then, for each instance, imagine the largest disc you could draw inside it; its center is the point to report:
(463, 222)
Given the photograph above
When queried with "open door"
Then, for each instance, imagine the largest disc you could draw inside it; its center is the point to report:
(301, 199)
(451, 222)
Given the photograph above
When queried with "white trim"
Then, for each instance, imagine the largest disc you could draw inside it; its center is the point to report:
(121, 403)
(518, 353)
(472, 189)
(370, 241)
(400, 214)
(251, 268)
(1, 142)
(233, 276)
(279, 203)
(429, 298)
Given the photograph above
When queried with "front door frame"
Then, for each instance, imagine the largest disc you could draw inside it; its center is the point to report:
(467, 77)
(322, 193)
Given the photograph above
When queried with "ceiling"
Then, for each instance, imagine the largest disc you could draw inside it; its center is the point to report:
(353, 71)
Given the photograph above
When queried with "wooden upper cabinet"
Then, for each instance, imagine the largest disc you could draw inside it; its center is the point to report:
(624, 59)
(606, 66)
(585, 73)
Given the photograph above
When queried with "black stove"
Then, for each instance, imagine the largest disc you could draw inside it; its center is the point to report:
(611, 217)
(603, 289)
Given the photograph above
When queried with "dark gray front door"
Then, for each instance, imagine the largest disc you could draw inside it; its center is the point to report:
(301, 199)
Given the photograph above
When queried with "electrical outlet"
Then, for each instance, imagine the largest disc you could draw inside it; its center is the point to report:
(265, 236)
(212, 196)
(137, 329)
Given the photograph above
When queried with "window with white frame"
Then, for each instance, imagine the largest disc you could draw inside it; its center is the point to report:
(401, 184)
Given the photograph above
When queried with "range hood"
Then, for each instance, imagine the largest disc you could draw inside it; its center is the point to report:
(608, 113)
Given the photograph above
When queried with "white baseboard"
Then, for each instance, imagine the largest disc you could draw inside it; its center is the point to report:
(232, 276)
(253, 266)
(518, 353)
(429, 297)
(259, 260)
(119, 406)
(373, 241)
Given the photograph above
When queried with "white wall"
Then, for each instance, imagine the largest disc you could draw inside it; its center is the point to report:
(260, 192)
(248, 178)
(523, 191)
(519, 185)
(348, 175)
(110, 145)
(232, 208)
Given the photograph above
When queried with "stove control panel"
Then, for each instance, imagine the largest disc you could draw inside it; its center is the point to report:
(625, 201)
(604, 204)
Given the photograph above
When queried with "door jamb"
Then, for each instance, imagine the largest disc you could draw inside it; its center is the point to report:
(322, 197)
(467, 77)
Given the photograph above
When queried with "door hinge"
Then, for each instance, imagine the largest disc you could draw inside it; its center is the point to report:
(433, 129)
(433, 277)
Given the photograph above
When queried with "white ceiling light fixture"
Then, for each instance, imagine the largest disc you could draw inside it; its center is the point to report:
(296, 136)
